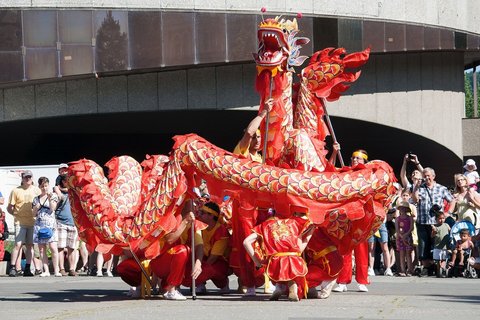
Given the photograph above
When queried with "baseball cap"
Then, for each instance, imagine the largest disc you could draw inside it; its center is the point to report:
(27, 173)
(63, 165)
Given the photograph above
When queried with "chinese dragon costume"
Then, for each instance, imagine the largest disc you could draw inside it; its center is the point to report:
(138, 203)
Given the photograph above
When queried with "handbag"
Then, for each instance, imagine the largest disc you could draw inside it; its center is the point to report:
(45, 233)
(434, 207)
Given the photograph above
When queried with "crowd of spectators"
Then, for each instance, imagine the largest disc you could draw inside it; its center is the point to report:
(422, 222)
(46, 238)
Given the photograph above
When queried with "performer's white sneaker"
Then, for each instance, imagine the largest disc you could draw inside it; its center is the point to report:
(389, 272)
(340, 288)
(269, 286)
(362, 288)
(174, 295)
(327, 287)
(293, 292)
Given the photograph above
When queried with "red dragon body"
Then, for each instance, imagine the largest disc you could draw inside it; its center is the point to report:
(137, 206)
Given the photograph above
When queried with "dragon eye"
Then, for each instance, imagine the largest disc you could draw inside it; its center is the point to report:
(284, 30)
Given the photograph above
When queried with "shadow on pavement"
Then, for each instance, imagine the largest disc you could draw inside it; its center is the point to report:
(456, 298)
(79, 295)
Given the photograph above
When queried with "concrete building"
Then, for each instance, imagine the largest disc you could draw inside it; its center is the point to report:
(96, 79)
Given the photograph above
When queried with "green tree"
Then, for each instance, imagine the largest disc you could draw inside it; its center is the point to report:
(111, 45)
(468, 82)
(468, 95)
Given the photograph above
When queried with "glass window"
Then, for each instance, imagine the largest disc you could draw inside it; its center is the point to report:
(40, 28)
(460, 40)
(432, 38)
(374, 35)
(241, 36)
(414, 36)
(447, 40)
(41, 63)
(350, 34)
(306, 30)
(75, 27)
(10, 30)
(111, 42)
(145, 39)
(210, 40)
(11, 64)
(177, 35)
(394, 37)
(76, 59)
(473, 42)
(325, 32)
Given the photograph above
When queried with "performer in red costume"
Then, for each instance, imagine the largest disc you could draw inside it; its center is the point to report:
(246, 216)
(170, 265)
(215, 244)
(359, 158)
(324, 265)
(282, 241)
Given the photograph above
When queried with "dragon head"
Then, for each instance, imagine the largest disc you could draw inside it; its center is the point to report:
(278, 48)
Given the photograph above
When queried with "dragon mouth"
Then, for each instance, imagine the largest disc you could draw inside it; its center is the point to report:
(272, 48)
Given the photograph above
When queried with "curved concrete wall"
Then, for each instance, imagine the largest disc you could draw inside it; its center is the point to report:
(420, 93)
(205, 88)
(460, 15)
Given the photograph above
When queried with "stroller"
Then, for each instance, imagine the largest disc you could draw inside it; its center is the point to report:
(467, 271)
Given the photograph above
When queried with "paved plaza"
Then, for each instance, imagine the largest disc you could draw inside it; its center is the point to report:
(105, 298)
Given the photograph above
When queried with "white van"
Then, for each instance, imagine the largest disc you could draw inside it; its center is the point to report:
(11, 177)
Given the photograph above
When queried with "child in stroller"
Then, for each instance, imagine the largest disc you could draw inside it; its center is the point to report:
(463, 246)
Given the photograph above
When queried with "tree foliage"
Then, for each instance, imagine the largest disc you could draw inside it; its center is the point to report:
(469, 93)
(111, 45)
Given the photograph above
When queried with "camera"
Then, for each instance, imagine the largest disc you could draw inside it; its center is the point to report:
(410, 156)
(434, 209)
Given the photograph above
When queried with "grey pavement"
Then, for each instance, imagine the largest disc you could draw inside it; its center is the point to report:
(105, 298)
